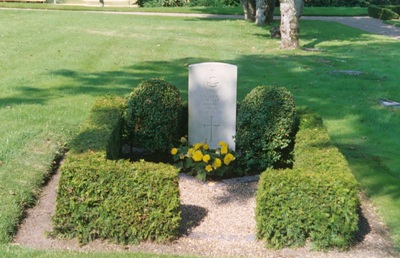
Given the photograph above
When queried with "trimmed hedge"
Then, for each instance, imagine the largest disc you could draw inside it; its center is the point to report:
(394, 8)
(316, 200)
(334, 3)
(154, 115)
(116, 200)
(266, 123)
(348, 3)
(102, 129)
(120, 201)
(382, 12)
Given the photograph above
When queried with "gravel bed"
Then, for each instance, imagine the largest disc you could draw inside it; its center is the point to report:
(217, 221)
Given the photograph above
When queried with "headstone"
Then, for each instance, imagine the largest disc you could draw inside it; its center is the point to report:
(212, 103)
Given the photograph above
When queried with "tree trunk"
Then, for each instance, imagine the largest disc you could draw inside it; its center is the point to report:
(249, 9)
(260, 12)
(289, 25)
(299, 5)
(269, 10)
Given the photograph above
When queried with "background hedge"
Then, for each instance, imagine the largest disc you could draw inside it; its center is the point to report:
(348, 3)
(316, 200)
(383, 12)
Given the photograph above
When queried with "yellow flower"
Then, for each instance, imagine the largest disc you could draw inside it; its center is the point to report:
(228, 158)
(206, 158)
(183, 140)
(182, 156)
(223, 144)
(174, 151)
(217, 163)
(224, 150)
(205, 147)
(197, 156)
(197, 146)
(209, 168)
(190, 152)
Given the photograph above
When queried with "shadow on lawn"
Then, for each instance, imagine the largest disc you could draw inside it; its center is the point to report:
(381, 179)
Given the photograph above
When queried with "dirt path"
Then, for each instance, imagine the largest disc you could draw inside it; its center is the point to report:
(365, 23)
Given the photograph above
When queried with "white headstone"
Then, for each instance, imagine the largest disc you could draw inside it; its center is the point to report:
(212, 103)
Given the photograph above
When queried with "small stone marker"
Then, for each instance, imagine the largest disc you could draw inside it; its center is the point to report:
(212, 103)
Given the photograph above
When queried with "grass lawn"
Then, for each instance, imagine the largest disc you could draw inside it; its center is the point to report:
(394, 22)
(54, 64)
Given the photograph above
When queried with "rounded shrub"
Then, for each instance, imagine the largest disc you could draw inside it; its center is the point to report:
(266, 123)
(153, 115)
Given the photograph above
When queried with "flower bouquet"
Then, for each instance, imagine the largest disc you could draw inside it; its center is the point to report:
(201, 161)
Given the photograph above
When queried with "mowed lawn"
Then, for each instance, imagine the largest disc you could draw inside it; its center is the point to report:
(53, 64)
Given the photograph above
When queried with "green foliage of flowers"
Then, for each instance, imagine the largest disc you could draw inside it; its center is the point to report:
(266, 124)
(316, 200)
(153, 115)
(203, 162)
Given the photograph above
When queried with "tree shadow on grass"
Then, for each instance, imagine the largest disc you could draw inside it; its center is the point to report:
(381, 179)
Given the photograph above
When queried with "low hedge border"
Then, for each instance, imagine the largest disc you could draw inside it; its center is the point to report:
(129, 203)
(102, 130)
(316, 200)
(384, 12)
(120, 201)
(394, 8)
(117, 200)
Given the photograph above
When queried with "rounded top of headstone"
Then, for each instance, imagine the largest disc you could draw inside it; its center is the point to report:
(212, 64)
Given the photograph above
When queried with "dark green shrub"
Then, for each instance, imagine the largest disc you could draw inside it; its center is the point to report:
(394, 8)
(348, 3)
(382, 2)
(120, 201)
(153, 115)
(317, 200)
(334, 3)
(103, 128)
(212, 3)
(381, 12)
(160, 3)
(266, 123)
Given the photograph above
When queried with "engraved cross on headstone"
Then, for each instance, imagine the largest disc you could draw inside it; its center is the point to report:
(211, 125)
